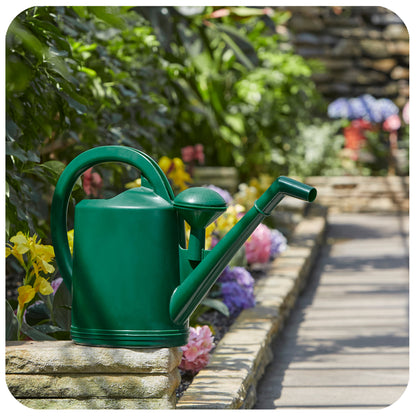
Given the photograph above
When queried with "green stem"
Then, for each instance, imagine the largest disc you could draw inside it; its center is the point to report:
(50, 307)
(19, 316)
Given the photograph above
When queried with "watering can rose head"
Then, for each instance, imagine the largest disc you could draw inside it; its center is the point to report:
(157, 280)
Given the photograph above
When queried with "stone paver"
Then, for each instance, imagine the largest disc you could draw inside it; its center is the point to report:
(229, 381)
(345, 344)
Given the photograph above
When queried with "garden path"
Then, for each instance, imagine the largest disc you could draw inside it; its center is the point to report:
(346, 342)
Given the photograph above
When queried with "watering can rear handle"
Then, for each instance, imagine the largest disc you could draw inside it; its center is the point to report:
(149, 168)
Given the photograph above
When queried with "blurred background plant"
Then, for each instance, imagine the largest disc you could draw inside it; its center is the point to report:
(172, 81)
(155, 78)
(371, 134)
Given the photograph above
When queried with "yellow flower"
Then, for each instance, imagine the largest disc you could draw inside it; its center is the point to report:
(21, 243)
(42, 255)
(70, 235)
(246, 195)
(262, 183)
(20, 246)
(43, 286)
(178, 163)
(165, 163)
(180, 178)
(26, 294)
(175, 171)
(38, 255)
(208, 235)
(227, 220)
(134, 184)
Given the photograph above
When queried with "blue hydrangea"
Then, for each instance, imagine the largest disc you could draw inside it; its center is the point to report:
(387, 108)
(339, 108)
(278, 243)
(363, 107)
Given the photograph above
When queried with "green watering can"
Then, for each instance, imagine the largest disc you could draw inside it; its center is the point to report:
(133, 280)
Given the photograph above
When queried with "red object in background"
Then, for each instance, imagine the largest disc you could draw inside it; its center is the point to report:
(192, 153)
(354, 136)
(92, 183)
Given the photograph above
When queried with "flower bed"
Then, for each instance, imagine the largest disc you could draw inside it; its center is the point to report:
(42, 308)
(236, 285)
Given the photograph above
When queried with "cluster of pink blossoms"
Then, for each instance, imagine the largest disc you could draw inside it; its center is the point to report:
(264, 245)
(196, 353)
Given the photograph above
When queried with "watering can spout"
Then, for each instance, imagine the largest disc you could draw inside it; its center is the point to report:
(193, 289)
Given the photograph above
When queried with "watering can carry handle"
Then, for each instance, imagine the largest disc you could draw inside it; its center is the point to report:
(149, 168)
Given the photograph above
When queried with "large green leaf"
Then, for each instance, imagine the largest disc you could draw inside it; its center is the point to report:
(216, 304)
(12, 324)
(47, 328)
(34, 334)
(62, 307)
(13, 149)
(36, 313)
(242, 47)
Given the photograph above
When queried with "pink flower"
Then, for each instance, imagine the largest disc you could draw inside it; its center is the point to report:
(196, 353)
(405, 113)
(258, 245)
(92, 183)
(191, 153)
(199, 153)
(392, 123)
(187, 153)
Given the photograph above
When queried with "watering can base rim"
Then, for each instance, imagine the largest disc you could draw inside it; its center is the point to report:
(130, 338)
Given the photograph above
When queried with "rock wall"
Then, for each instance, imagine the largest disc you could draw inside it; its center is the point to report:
(63, 375)
(362, 193)
(364, 49)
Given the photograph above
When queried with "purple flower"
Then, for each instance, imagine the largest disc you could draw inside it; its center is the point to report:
(243, 277)
(225, 194)
(237, 274)
(237, 289)
(237, 297)
(226, 276)
(56, 283)
(278, 243)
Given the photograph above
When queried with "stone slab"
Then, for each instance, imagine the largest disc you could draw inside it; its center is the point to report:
(87, 386)
(100, 403)
(37, 357)
(64, 375)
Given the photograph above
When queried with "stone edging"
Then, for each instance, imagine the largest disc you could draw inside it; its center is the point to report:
(64, 375)
(238, 362)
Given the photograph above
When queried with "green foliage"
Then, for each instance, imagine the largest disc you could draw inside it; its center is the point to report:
(76, 78)
(49, 319)
(155, 78)
(316, 149)
(238, 91)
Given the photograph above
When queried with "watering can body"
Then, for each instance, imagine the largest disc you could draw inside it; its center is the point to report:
(125, 268)
(134, 282)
